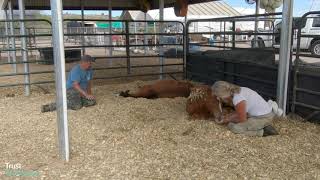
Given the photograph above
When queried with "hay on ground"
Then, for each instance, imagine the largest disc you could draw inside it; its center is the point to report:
(149, 139)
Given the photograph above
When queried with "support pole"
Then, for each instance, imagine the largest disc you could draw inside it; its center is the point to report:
(83, 28)
(24, 49)
(13, 39)
(161, 59)
(285, 51)
(7, 39)
(220, 31)
(185, 46)
(155, 36)
(233, 35)
(60, 81)
(224, 35)
(128, 48)
(136, 36)
(110, 27)
(256, 24)
(145, 36)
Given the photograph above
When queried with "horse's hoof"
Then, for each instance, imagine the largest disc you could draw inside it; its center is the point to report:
(121, 94)
(124, 93)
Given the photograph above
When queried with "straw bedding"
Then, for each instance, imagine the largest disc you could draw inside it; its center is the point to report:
(126, 138)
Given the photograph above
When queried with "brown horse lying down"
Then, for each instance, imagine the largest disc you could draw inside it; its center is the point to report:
(161, 89)
(203, 104)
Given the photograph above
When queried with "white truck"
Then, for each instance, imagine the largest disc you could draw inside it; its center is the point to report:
(312, 44)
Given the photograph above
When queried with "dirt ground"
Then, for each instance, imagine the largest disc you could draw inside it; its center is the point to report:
(126, 138)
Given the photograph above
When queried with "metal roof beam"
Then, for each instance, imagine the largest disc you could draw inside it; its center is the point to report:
(92, 4)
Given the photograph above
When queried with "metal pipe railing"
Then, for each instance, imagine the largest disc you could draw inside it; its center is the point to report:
(97, 69)
(95, 78)
(127, 46)
(297, 60)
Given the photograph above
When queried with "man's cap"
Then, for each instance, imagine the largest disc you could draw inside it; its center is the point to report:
(88, 58)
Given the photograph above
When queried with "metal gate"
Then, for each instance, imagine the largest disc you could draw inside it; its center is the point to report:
(226, 51)
(306, 89)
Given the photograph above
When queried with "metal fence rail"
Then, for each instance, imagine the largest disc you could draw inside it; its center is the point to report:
(24, 44)
(128, 37)
(231, 44)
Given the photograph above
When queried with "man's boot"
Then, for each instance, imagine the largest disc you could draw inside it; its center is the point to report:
(48, 108)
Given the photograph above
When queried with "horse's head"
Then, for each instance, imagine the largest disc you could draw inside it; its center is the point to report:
(203, 94)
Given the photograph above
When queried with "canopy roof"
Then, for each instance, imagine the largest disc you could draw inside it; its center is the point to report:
(92, 4)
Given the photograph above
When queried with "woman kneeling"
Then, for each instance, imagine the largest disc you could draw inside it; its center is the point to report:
(253, 115)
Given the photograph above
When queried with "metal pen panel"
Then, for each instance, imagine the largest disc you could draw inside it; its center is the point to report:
(12, 39)
(24, 46)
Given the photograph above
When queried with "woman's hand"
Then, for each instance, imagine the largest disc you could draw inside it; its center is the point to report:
(233, 117)
(224, 119)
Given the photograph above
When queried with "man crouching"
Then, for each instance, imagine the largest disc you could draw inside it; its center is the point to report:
(79, 84)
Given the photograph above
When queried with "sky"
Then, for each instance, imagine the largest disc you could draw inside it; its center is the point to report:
(300, 7)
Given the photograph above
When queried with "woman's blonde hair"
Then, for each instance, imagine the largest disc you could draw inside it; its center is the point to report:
(224, 89)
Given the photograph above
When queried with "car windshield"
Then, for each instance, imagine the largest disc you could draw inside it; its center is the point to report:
(296, 23)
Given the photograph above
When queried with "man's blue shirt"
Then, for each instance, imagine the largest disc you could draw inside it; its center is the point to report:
(79, 75)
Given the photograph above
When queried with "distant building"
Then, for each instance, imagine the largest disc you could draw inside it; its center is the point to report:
(205, 10)
(213, 9)
(135, 15)
(138, 27)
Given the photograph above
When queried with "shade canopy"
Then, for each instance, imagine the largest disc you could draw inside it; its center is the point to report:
(92, 4)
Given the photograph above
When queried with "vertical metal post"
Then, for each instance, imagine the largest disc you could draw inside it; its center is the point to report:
(34, 37)
(176, 38)
(145, 36)
(285, 51)
(105, 41)
(155, 31)
(185, 46)
(136, 36)
(224, 35)
(7, 39)
(24, 49)
(60, 81)
(220, 31)
(128, 48)
(296, 69)
(161, 59)
(83, 28)
(110, 28)
(233, 34)
(256, 23)
(13, 39)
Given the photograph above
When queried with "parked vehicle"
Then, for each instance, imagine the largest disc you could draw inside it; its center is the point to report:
(311, 26)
